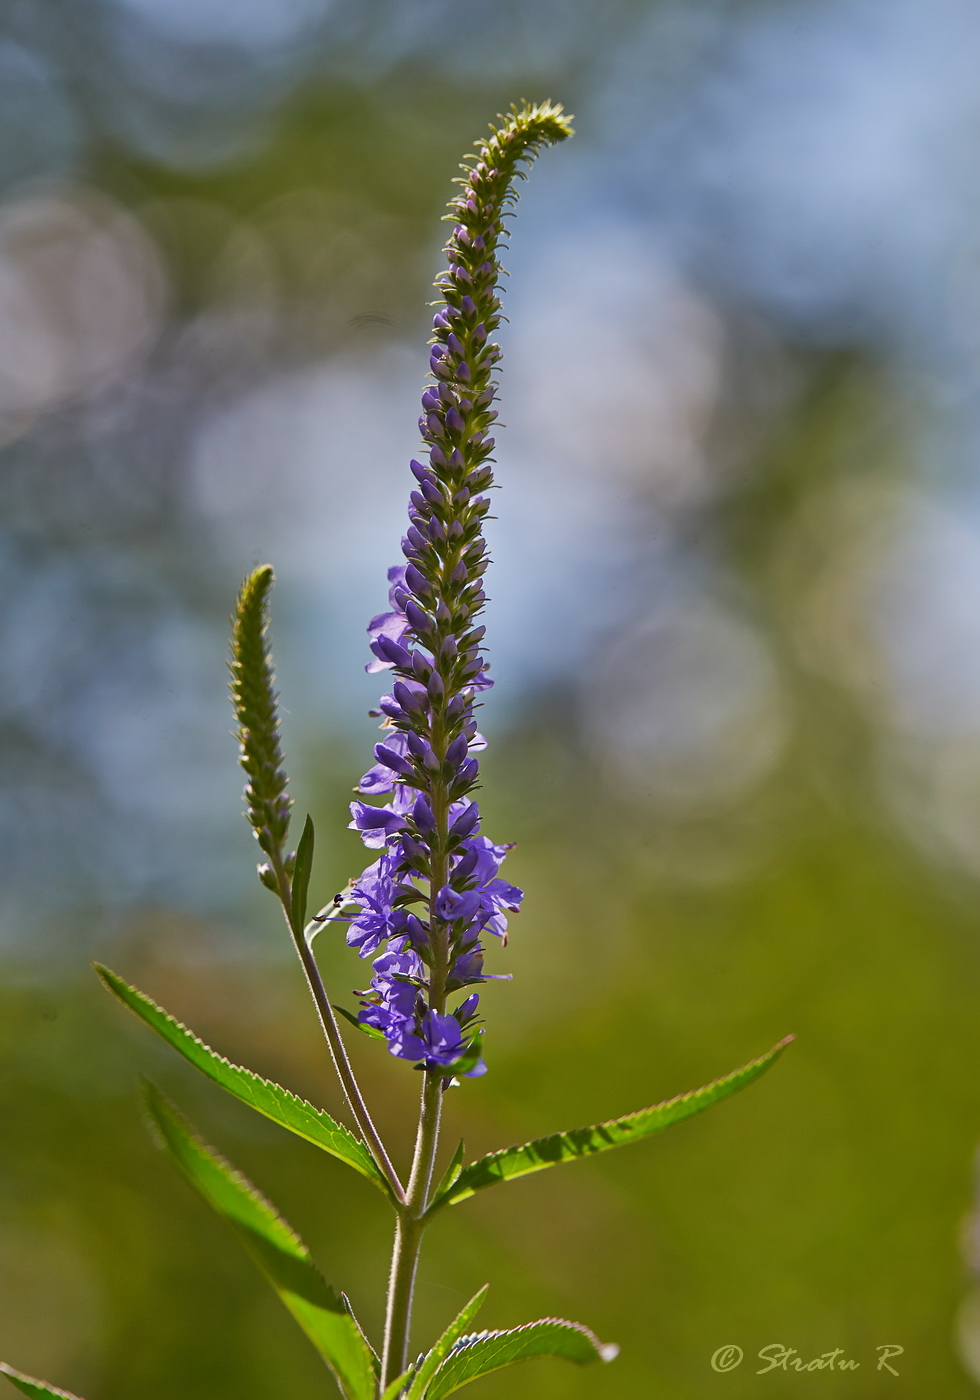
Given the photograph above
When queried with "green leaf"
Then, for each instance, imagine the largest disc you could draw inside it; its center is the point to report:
(452, 1172)
(543, 1152)
(275, 1247)
(38, 1389)
(490, 1351)
(471, 1056)
(372, 1031)
(301, 877)
(434, 1359)
(395, 1390)
(263, 1095)
(375, 1358)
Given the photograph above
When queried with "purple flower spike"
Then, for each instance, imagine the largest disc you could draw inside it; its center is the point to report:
(435, 888)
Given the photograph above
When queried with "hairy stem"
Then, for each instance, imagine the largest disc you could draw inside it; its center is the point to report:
(408, 1233)
(338, 1051)
(410, 1226)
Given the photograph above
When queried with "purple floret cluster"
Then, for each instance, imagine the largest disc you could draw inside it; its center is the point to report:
(434, 891)
(400, 906)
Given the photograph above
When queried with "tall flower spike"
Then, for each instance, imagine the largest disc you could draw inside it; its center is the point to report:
(254, 698)
(434, 890)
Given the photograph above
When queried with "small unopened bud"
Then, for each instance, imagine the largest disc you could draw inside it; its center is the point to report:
(457, 751)
(466, 823)
(421, 665)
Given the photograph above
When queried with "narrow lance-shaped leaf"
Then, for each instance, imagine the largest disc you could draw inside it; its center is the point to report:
(375, 1358)
(39, 1390)
(451, 1174)
(431, 1362)
(371, 1032)
(549, 1151)
(301, 878)
(266, 1097)
(275, 1247)
(490, 1351)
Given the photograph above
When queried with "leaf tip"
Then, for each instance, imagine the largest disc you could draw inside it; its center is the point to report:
(110, 980)
(156, 1108)
(30, 1386)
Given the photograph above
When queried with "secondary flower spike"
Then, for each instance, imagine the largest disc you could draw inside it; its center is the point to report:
(256, 710)
(434, 890)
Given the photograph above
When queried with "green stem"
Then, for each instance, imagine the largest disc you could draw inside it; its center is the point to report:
(409, 1230)
(410, 1226)
(338, 1051)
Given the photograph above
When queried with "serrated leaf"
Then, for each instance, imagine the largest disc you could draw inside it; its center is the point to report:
(274, 1245)
(30, 1386)
(549, 1151)
(484, 1352)
(375, 1358)
(266, 1097)
(301, 877)
(431, 1362)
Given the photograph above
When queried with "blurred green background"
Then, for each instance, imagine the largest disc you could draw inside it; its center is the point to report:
(735, 627)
